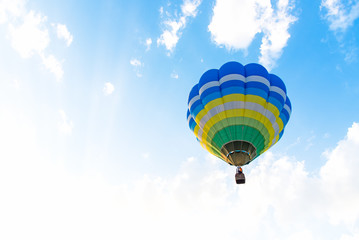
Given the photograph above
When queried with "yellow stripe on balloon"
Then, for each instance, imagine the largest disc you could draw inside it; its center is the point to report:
(235, 113)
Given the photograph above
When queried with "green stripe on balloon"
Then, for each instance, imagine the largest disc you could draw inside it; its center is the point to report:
(220, 138)
(237, 132)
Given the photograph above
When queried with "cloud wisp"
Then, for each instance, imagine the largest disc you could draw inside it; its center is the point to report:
(280, 200)
(63, 33)
(174, 27)
(148, 44)
(174, 75)
(137, 65)
(340, 15)
(28, 32)
(108, 89)
(31, 36)
(65, 125)
(235, 24)
(135, 62)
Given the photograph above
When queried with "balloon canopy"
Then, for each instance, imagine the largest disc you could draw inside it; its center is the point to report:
(238, 112)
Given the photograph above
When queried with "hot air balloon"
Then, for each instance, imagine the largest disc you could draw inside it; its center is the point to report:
(238, 112)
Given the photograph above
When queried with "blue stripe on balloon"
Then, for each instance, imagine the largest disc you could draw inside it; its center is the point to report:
(194, 92)
(195, 104)
(287, 101)
(275, 102)
(195, 111)
(283, 118)
(232, 90)
(209, 91)
(254, 69)
(280, 134)
(209, 76)
(286, 114)
(257, 92)
(192, 124)
(233, 83)
(211, 97)
(276, 81)
(277, 96)
(258, 85)
(231, 68)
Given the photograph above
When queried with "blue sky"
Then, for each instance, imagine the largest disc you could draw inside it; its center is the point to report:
(94, 141)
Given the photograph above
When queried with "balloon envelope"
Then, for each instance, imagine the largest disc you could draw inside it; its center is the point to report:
(238, 112)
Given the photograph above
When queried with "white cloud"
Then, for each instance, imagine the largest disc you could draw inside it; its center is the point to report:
(29, 35)
(189, 7)
(174, 27)
(108, 88)
(65, 125)
(340, 179)
(355, 236)
(10, 9)
(169, 37)
(53, 65)
(276, 35)
(340, 15)
(280, 200)
(135, 62)
(63, 33)
(174, 75)
(350, 54)
(235, 24)
(148, 44)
